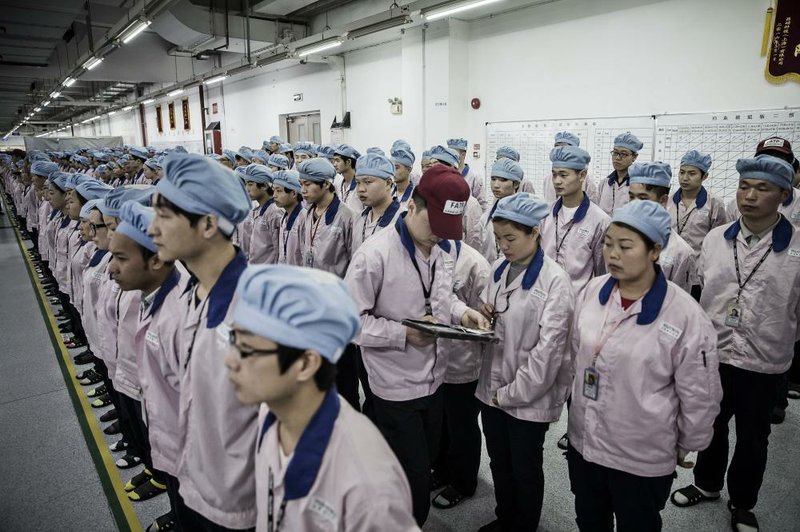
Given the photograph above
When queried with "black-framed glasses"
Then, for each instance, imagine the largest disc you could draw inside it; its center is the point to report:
(94, 227)
(233, 335)
(620, 154)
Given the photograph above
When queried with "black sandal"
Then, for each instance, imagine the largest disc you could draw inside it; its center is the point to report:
(163, 524)
(146, 491)
(128, 461)
(742, 517)
(448, 498)
(693, 496)
(137, 480)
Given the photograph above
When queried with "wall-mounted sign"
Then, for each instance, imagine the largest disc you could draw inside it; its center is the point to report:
(783, 60)
(171, 111)
(159, 120)
(185, 108)
(214, 108)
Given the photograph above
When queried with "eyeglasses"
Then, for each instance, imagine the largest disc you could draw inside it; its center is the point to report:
(94, 227)
(620, 154)
(232, 336)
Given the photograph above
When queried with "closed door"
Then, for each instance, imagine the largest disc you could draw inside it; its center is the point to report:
(304, 127)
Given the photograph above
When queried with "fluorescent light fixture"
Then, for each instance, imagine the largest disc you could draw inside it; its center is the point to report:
(45, 104)
(86, 121)
(148, 101)
(174, 93)
(215, 79)
(37, 109)
(452, 9)
(93, 62)
(319, 47)
(272, 59)
(110, 113)
(55, 95)
(127, 108)
(69, 82)
(134, 29)
(378, 26)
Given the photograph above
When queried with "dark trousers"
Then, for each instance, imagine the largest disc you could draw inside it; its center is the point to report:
(73, 316)
(696, 292)
(347, 375)
(750, 397)
(366, 408)
(460, 448)
(191, 521)
(515, 457)
(130, 415)
(602, 493)
(412, 429)
(175, 498)
(792, 377)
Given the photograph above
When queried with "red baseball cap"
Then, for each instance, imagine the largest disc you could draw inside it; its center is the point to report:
(445, 192)
(776, 146)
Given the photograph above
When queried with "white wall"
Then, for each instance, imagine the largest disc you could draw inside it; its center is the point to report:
(571, 58)
(191, 139)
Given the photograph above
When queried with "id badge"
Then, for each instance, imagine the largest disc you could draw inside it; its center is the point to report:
(309, 259)
(591, 383)
(733, 315)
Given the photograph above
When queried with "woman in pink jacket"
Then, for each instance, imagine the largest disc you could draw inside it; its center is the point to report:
(647, 387)
(525, 376)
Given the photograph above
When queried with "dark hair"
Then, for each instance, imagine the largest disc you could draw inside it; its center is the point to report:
(146, 253)
(324, 378)
(660, 191)
(419, 201)
(346, 158)
(164, 203)
(649, 244)
(78, 195)
(528, 230)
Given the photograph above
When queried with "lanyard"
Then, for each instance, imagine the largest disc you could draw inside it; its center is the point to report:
(603, 338)
(272, 526)
(315, 223)
(387, 215)
(680, 226)
(560, 243)
(346, 194)
(289, 219)
(752, 273)
(495, 313)
(426, 291)
(194, 333)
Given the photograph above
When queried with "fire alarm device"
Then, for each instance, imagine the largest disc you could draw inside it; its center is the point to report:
(475, 103)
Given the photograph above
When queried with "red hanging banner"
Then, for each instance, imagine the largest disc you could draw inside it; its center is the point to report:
(783, 60)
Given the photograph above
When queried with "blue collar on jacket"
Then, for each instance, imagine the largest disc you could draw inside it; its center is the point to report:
(651, 302)
(781, 233)
(699, 201)
(220, 296)
(164, 290)
(97, 257)
(612, 178)
(307, 458)
(580, 214)
(531, 272)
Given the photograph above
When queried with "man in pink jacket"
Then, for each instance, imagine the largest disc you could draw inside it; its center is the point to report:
(198, 204)
(407, 272)
(320, 465)
(750, 274)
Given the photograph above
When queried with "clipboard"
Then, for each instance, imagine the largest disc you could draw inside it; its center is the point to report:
(453, 332)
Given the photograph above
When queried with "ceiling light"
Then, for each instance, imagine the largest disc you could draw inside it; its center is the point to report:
(453, 8)
(319, 47)
(86, 121)
(45, 104)
(174, 93)
(93, 62)
(112, 113)
(147, 101)
(55, 94)
(272, 59)
(215, 79)
(37, 109)
(127, 108)
(378, 26)
(69, 82)
(134, 29)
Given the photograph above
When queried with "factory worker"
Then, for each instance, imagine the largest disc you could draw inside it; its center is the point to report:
(651, 181)
(646, 385)
(83, 193)
(327, 151)
(303, 151)
(278, 162)
(260, 157)
(565, 138)
(374, 174)
(57, 199)
(750, 274)
(288, 151)
(328, 222)
(573, 234)
(91, 280)
(286, 184)
(405, 373)
(426, 161)
(273, 145)
(135, 167)
(472, 210)
(45, 211)
(290, 325)
(401, 144)
(265, 219)
(507, 152)
(39, 172)
(344, 161)
(474, 181)
(376, 150)
(403, 165)
(612, 192)
(244, 156)
(151, 171)
(458, 459)
(694, 210)
(198, 204)
(135, 265)
(506, 177)
(525, 376)
(229, 159)
(67, 242)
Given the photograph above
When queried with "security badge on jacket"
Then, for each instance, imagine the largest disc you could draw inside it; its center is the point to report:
(591, 383)
(733, 316)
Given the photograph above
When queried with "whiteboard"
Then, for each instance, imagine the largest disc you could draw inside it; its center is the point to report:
(726, 135)
(534, 140)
